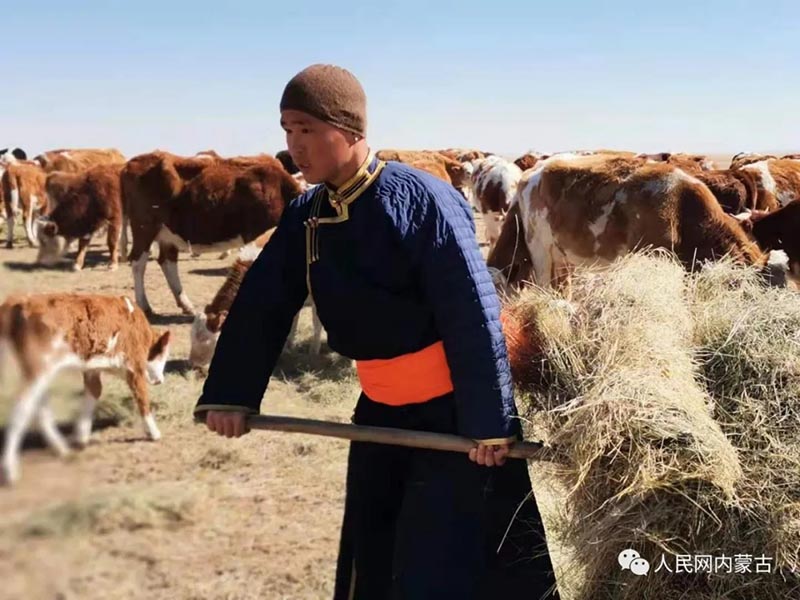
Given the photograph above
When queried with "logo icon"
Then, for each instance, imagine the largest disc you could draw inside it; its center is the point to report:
(630, 559)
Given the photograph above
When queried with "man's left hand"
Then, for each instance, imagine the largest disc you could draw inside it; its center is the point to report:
(490, 456)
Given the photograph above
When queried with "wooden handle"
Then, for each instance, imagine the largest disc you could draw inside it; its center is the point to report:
(387, 435)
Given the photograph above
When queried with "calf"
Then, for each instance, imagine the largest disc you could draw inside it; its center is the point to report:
(50, 333)
(75, 160)
(24, 193)
(205, 205)
(207, 325)
(91, 202)
(494, 183)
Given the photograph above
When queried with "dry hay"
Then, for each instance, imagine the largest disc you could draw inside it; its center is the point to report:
(673, 401)
(120, 508)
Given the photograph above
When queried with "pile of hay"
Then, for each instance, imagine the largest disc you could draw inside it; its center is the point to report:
(673, 401)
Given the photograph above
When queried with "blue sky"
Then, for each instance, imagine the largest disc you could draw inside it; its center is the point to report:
(713, 76)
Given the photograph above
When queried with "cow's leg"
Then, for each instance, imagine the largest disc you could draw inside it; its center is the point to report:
(138, 385)
(168, 259)
(541, 245)
(316, 342)
(83, 247)
(19, 421)
(10, 223)
(143, 237)
(123, 239)
(113, 236)
(292, 332)
(32, 200)
(139, 267)
(92, 388)
(49, 429)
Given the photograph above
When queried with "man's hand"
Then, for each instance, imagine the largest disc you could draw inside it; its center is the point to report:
(490, 456)
(228, 423)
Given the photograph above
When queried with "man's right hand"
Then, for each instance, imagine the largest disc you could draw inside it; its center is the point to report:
(228, 423)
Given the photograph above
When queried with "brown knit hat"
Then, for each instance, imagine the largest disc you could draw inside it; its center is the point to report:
(329, 93)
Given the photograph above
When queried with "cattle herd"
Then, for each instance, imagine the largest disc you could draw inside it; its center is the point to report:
(544, 215)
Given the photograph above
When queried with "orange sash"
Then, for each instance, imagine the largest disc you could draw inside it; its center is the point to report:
(408, 379)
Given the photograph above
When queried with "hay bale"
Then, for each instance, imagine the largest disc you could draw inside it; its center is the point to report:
(626, 398)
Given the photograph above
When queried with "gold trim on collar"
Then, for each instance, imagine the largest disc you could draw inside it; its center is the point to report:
(352, 189)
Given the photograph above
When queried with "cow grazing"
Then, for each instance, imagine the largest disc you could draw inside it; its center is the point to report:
(24, 193)
(494, 183)
(91, 203)
(75, 160)
(207, 325)
(589, 210)
(778, 182)
(50, 333)
(205, 205)
(736, 190)
(777, 230)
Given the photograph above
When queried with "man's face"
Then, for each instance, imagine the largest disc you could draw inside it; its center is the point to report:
(318, 149)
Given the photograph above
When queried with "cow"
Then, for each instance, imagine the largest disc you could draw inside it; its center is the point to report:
(459, 177)
(74, 160)
(690, 163)
(433, 168)
(529, 160)
(777, 230)
(24, 192)
(91, 203)
(208, 324)
(736, 190)
(589, 210)
(493, 184)
(202, 205)
(50, 333)
(746, 158)
(7, 155)
(778, 181)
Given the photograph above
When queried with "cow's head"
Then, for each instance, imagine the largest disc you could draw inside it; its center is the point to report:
(52, 245)
(157, 356)
(204, 335)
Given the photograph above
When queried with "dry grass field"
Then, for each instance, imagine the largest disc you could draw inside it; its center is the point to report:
(191, 516)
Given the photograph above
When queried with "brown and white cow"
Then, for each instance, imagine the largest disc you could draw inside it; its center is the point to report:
(691, 163)
(459, 177)
(777, 230)
(50, 333)
(24, 194)
(589, 210)
(208, 324)
(91, 203)
(74, 160)
(494, 182)
(735, 189)
(778, 181)
(746, 158)
(198, 205)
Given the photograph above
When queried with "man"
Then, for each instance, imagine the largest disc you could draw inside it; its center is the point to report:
(390, 256)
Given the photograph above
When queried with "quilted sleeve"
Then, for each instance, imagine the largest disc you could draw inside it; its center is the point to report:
(253, 335)
(438, 229)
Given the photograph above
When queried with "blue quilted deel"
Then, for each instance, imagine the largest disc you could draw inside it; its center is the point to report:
(401, 271)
